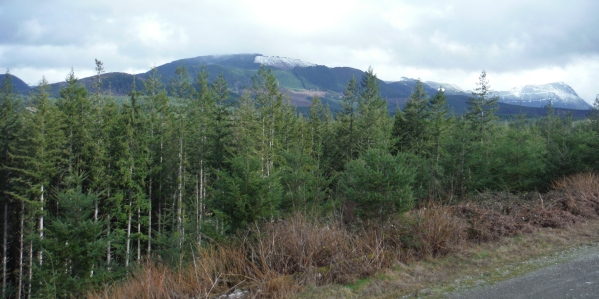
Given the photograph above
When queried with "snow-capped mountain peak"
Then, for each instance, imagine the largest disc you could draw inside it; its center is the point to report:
(560, 94)
(281, 62)
(447, 87)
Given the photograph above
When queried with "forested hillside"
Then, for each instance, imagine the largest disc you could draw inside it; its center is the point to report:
(90, 187)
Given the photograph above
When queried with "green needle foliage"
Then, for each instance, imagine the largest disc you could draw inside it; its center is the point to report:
(379, 183)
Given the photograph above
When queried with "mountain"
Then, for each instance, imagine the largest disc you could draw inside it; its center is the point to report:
(301, 81)
(20, 86)
(560, 94)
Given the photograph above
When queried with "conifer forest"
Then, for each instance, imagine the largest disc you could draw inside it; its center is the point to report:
(93, 185)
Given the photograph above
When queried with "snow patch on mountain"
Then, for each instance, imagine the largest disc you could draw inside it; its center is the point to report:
(281, 62)
(447, 87)
(560, 94)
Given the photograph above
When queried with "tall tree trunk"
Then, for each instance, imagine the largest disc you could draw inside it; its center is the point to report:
(108, 253)
(128, 246)
(21, 249)
(30, 276)
(4, 249)
(149, 250)
(138, 234)
(40, 255)
(180, 193)
(96, 210)
(199, 240)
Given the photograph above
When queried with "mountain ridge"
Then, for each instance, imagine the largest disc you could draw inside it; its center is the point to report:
(300, 79)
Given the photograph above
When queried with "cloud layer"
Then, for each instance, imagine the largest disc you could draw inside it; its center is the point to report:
(516, 42)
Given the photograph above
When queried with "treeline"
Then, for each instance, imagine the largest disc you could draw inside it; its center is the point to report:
(90, 187)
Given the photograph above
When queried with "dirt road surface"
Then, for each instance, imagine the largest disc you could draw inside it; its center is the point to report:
(575, 276)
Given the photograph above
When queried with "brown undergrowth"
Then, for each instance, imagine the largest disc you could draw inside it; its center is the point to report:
(277, 259)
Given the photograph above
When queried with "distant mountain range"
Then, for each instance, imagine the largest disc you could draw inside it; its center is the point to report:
(302, 80)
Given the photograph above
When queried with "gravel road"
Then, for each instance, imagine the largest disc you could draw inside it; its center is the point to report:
(573, 275)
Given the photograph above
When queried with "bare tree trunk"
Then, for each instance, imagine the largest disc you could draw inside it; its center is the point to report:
(21, 234)
(96, 210)
(30, 270)
(128, 247)
(198, 210)
(108, 254)
(108, 251)
(128, 250)
(41, 225)
(180, 193)
(138, 234)
(150, 220)
(4, 249)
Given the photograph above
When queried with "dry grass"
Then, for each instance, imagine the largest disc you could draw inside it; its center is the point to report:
(277, 259)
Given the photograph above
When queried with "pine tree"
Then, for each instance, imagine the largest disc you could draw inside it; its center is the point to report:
(182, 91)
(200, 111)
(10, 126)
(44, 159)
(374, 123)
(245, 194)
(439, 125)
(594, 116)
(379, 183)
(73, 246)
(269, 103)
(347, 135)
(75, 104)
(158, 113)
(518, 158)
(411, 126)
(220, 133)
(482, 106)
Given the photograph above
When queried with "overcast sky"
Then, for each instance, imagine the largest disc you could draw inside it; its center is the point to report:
(517, 42)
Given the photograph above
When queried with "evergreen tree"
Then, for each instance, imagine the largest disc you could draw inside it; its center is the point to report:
(347, 134)
(374, 123)
(10, 127)
(269, 102)
(518, 158)
(42, 159)
(594, 116)
(75, 104)
(245, 194)
(220, 134)
(73, 247)
(157, 109)
(439, 124)
(200, 111)
(182, 91)
(379, 183)
(482, 106)
(411, 126)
